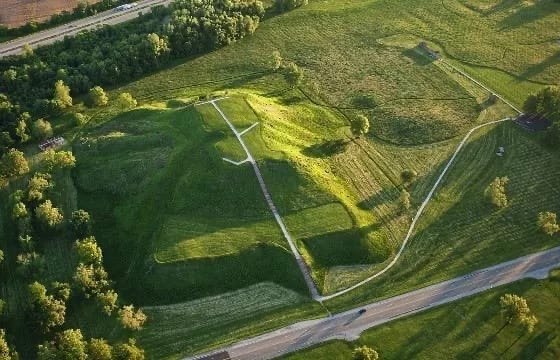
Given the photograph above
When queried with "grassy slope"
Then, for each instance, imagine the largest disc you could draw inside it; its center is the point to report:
(465, 329)
(459, 231)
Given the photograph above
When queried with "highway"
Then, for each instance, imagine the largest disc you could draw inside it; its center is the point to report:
(109, 17)
(350, 324)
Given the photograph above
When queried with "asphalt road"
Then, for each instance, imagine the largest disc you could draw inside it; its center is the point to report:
(348, 325)
(109, 17)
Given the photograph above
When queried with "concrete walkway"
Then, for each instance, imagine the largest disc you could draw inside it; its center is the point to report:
(300, 261)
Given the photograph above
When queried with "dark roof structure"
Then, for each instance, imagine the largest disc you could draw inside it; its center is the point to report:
(533, 122)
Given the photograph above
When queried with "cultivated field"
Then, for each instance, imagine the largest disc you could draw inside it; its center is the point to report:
(14, 13)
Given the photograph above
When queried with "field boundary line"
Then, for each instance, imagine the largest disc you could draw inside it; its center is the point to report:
(416, 217)
(299, 259)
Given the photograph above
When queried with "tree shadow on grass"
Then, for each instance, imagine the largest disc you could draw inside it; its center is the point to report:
(326, 149)
(527, 14)
(418, 56)
(536, 69)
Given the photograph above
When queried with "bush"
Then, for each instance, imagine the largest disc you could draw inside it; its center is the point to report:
(287, 5)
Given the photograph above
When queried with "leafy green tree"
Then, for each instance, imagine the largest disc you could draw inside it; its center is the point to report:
(30, 265)
(99, 349)
(132, 319)
(13, 163)
(408, 176)
(125, 101)
(79, 119)
(62, 94)
(360, 126)
(108, 301)
(98, 97)
(365, 353)
(6, 353)
(27, 51)
(48, 215)
(58, 160)
(62, 291)
(26, 242)
(88, 251)
(67, 345)
(1, 260)
(91, 279)
(37, 186)
(19, 211)
(293, 74)
(496, 192)
(277, 60)
(547, 223)
(41, 129)
(81, 223)
(47, 311)
(21, 129)
(128, 351)
(404, 200)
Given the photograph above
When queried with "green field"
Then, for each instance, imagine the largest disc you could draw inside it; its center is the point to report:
(467, 329)
(190, 237)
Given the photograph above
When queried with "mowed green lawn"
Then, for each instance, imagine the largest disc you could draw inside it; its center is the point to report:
(459, 231)
(467, 329)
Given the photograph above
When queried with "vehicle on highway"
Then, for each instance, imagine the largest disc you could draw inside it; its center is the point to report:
(362, 311)
(125, 7)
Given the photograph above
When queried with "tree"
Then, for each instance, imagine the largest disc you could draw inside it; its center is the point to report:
(49, 215)
(529, 322)
(41, 129)
(496, 192)
(97, 96)
(21, 130)
(27, 51)
(547, 223)
(79, 119)
(88, 251)
(81, 223)
(6, 353)
(61, 291)
(37, 186)
(13, 163)
(47, 311)
(360, 126)
(365, 353)
(276, 60)
(408, 176)
(55, 160)
(30, 264)
(19, 211)
(132, 319)
(1, 261)
(91, 279)
(293, 74)
(514, 308)
(99, 349)
(62, 95)
(128, 351)
(404, 200)
(108, 301)
(67, 345)
(126, 101)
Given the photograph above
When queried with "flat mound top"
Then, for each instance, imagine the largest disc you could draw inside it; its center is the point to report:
(16, 13)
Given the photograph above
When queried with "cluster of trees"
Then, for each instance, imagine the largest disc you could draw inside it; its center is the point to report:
(365, 353)
(547, 223)
(42, 83)
(70, 344)
(547, 103)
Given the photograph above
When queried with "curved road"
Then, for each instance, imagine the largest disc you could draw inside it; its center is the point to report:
(350, 324)
(109, 17)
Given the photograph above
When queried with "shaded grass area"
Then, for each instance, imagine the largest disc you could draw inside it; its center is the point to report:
(459, 231)
(211, 322)
(467, 329)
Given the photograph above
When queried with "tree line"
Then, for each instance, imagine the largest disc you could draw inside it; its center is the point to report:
(30, 84)
(547, 103)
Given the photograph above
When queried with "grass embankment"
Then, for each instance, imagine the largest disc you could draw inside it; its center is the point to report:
(466, 329)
